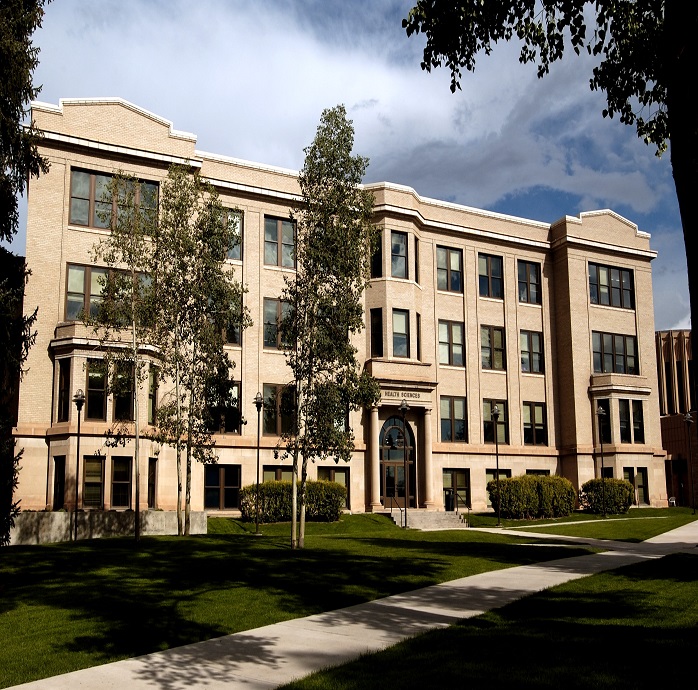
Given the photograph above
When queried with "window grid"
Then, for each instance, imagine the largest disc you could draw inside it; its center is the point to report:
(121, 482)
(274, 312)
(611, 286)
(279, 242)
(613, 353)
(93, 482)
(529, 282)
(502, 426)
(398, 255)
(222, 487)
(451, 343)
(84, 288)
(490, 276)
(401, 333)
(449, 269)
(279, 407)
(492, 348)
(453, 422)
(535, 430)
(531, 352)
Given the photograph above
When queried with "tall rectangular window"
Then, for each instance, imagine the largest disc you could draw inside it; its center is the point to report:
(451, 343)
(490, 276)
(398, 254)
(614, 353)
(638, 422)
(604, 420)
(224, 414)
(449, 269)
(416, 260)
(624, 417)
(85, 285)
(453, 424)
(274, 313)
(222, 487)
(152, 482)
(63, 390)
(93, 482)
(153, 382)
(529, 282)
(611, 286)
(279, 409)
(531, 351)
(534, 424)
(419, 337)
(377, 258)
(401, 333)
(492, 350)
(491, 425)
(96, 400)
(235, 227)
(279, 242)
(120, 482)
(123, 392)
(376, 332)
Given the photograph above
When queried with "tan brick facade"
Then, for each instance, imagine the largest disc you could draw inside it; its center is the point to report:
(442, 304)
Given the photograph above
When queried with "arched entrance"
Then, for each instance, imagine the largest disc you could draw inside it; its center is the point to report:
(394, 486)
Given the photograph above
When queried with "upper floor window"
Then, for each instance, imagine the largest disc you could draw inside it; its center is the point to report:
(153, 385)
(274, 312)
(490, 276)
(451, 343)
(614, 353)
(398, 254)
(84, 288)
(123, 392)
(416, 260)
(531, 351)
(223, 401)
(377, 257)
(632, 429)
(493, 423)
(611, 286)
(279, 408)
(279, 242)
(235, 226)
(449, 269)
(453, 426)
(63, 389)
(492, 348)
(376, 332)
(96, 399)
(535, 431)
(529, 282)
(92, 203)
(401, 333)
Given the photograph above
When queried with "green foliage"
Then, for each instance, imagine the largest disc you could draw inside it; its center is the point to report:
(532, 496)
(615, 495)
(324, 501)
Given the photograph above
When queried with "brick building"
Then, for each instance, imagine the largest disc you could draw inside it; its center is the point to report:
(467, 310)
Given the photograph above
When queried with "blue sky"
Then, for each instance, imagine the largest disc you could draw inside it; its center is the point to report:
(250, 79)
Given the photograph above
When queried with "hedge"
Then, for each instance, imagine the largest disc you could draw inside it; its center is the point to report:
(619, 496)
(533, 496)
(324, 501)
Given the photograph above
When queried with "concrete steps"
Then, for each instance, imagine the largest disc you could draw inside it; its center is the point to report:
(426, 520)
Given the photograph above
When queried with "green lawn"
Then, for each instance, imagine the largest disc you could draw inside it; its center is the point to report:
(69, 606)
(633, 628)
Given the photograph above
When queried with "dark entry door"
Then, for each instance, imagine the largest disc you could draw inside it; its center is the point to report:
(396, 447)
(58, 482)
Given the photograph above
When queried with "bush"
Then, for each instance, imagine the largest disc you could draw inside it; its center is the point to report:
(619, 496)
(324, 501)
(533, 496)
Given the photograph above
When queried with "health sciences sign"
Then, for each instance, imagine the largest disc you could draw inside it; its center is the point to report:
(396, 397)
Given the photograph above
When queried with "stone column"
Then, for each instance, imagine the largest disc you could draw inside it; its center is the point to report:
(374, 454)
(428, 464)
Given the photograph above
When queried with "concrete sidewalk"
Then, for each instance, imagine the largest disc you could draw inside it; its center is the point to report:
(276, 654)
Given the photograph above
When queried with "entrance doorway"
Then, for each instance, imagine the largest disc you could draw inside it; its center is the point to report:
(456, 489)
(396, 488)
(58, 482)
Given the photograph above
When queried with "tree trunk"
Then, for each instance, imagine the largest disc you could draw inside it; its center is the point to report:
(134, 343)
(301, 535)
(294, 498)
(178, 446)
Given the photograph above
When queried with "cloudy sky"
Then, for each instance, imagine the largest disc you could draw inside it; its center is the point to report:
(251, 77)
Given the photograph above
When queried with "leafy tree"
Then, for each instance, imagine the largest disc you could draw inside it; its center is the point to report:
(19, 161)
(333, 242)
(648, 59)
(196, 297)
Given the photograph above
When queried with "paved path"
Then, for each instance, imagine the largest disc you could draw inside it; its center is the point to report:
(276, 654)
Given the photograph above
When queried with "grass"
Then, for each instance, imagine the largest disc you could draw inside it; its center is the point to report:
(636, 627)
(70, 606)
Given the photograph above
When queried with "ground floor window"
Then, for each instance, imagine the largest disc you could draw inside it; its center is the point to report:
(152, 476)
(93, 487)
(335, 474)
(274, 473)
(491, 475)
(58, 482)
(638, 478)
(121, 482)
(456, 484)
(221, 487)
(539, 473)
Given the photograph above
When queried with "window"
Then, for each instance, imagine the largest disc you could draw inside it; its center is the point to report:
(272, 473)
(233, 330)
(84, 291)
(123, 392)
(535, 429)
(529, 282)
(638, 422)
(376, 332)
(490, 276)
(335, 474)
(538, 473)
(274, 312)
(419, 337)
(153, 382)
(221, 487)
(416, 260)
(632, 430)
(120, 482)
(449, 269)
(377, 258)
(91, 206)
(624, 417)
(531, 351)
(279, 408)
(611, 286)
(451, 343)
(614, 353)
(93, 484)
(604, 421)
(152, 482)
(96, 401)
(398, 254)
(235, 227)
(491, 475)
(453, 426)
(279, 242)
(492, 348)
(489, 424)
(401, 333)
(224, 415)
(63, 390)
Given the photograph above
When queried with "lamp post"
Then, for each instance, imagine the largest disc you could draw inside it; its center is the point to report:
(405, 408)
(259, 402)
(495, 416)
(79, 400)
(688, 418)
(601, 414)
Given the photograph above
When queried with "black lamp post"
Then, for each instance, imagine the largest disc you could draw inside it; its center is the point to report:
(259, 402)
(601, 414)
(79, 400)
(405, 408)
(495, 416)
(688, 418)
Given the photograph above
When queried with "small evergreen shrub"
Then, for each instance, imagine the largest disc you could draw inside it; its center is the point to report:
(619, 496)
(533, 496)
(324, 501)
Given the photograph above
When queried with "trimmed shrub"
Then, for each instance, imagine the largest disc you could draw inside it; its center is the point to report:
(619, 496)
(533, 496)
(324, 501)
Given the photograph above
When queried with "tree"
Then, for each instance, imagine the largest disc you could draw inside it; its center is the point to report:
(19, 161)
(334, 236)
(196, 297)
(648, 59)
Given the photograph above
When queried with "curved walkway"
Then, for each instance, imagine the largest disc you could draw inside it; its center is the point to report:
(276, 654)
